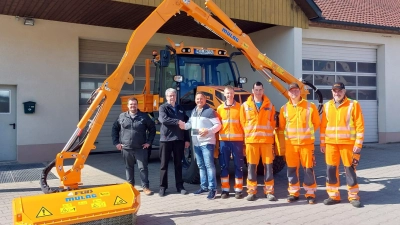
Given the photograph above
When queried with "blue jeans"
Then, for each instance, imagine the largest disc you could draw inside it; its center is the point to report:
(205, 162)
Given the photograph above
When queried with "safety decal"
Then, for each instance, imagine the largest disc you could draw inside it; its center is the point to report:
(43, 212)
(98, 203)
(119, 201)
(67, 208)
(102, 194)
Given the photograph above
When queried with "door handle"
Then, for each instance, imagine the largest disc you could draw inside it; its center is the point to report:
(12, 124)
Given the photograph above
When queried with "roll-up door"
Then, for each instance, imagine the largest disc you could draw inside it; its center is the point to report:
(324, 64)
(97, 60)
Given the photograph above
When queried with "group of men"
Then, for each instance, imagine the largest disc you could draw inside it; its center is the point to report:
(253, 125)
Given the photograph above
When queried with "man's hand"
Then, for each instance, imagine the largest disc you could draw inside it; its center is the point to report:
(356, 149)
(203, 132)
(187, 144)
(119, 147)
(181, 124)
(145, 145)
(323, 148)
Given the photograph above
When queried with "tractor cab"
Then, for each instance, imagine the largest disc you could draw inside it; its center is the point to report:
(192, 69)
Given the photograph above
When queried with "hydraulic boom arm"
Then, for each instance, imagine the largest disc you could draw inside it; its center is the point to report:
(104, 97)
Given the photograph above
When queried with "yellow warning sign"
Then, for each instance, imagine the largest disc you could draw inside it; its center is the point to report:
(98, 203)
(119, 201)
(43, 212)
(67, 208)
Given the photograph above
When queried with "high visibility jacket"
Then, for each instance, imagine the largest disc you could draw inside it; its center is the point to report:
(342, 125)
(299, 122)
(231, 127)
(258, 124)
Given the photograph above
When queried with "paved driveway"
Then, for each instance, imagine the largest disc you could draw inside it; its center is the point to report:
(379, 179)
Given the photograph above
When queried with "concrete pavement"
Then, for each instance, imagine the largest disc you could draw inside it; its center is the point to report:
(378, 176)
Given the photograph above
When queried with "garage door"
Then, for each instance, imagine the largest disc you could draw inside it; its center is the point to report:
(97, 60)
(354, 66)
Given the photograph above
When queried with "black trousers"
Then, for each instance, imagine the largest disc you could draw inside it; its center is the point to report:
(177, 149)
(141, 158)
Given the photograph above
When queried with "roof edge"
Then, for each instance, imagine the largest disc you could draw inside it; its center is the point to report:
(322, 20)
(315, 7)
(310, 9)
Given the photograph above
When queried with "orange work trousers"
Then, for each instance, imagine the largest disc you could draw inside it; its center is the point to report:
(304, 154)
(253, 153)
(333, 153)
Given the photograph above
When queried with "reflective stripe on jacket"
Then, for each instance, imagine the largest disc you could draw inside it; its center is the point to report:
(258, 125)
(299, 122)
(230, 117)
(342, 125)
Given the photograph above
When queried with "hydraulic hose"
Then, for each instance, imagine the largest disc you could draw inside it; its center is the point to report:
(43, 178)
(319, 95)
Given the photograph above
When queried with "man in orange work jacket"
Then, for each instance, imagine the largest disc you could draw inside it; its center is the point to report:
(257, 116)
(342, 135)
(298, 120)
(231, 143)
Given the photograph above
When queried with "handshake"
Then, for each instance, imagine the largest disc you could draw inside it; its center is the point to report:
(181, 124)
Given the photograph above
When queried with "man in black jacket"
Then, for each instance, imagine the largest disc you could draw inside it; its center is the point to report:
(172, 139)
(133, 133)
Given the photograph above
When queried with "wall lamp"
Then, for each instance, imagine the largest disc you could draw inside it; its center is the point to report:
(29, 21)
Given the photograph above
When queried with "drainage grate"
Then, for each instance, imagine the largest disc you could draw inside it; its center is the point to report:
(22, 172)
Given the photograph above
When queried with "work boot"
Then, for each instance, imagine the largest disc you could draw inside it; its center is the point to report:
(330, 201)
(356, 203)
(200, 191)
(224, 195)
(238, 195)
(311, 200)
(147, 191)
(161, 193)
(292, 198)
(251, 197)
(212, 194)
(182, 191)
(270, 197)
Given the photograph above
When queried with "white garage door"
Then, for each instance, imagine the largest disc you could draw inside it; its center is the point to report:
(97, 60)
(355, 67)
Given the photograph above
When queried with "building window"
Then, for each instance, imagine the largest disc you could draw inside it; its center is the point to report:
(307, 65)
(366, 67)
(346, 67)
(322, 65)
(359, 78)
(326, 80)
(92, 76)
(5, 102)
(92, 68)
(367, 81)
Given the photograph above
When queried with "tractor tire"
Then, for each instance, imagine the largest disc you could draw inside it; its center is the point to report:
(278, 165)
(190, 170)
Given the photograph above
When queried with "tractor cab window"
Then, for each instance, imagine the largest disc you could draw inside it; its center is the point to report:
(204, 71)
(164, 78)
